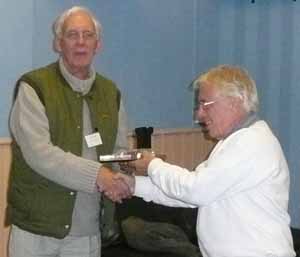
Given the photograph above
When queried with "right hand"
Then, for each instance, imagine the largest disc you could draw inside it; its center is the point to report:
(115, 189)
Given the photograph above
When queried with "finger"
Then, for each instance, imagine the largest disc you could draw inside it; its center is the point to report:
(129, 180)
(113, 196)
(120, 190)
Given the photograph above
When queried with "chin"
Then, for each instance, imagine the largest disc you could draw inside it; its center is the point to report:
(210, 133)
(81, 63)
(214, 135)
(81, 66)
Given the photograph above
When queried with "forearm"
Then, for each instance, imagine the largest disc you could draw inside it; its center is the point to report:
(145, 189)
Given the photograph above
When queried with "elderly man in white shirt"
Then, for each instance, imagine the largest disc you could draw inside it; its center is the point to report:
(242, 189)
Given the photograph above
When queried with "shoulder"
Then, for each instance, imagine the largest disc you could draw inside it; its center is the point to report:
(106, 84)
(258, 136)
(39, 79)
(104, 80)
(50, 68)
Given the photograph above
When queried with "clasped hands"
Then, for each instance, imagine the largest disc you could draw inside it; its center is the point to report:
(118, 185)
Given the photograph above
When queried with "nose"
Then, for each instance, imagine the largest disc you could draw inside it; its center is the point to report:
(80, 38)
(200, 113)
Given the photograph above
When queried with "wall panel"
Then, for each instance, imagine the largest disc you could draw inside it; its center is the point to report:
(5, 160)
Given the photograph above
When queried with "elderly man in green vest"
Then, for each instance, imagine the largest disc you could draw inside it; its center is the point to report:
(64, 116)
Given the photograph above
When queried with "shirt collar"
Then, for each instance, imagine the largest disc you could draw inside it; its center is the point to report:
(250, 119)
(78, 85)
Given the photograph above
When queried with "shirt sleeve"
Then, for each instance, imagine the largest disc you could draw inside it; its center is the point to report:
(231, 168)
(145, 189)
(121, 140)
(30, 128)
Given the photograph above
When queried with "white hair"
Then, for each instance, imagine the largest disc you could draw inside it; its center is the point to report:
(60, 20)
(232, 81)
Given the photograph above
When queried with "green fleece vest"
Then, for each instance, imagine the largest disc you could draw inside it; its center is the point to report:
(36, 204)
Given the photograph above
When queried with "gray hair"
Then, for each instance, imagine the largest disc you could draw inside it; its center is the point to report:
(232, 81)
(60, 20)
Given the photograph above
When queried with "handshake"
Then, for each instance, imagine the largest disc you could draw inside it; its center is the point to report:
(121, 185)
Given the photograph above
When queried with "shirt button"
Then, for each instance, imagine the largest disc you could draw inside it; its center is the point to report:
(67, 226)
(78, 127)
(72, 193)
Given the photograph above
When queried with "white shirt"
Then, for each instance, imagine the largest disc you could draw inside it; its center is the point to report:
(241, 192)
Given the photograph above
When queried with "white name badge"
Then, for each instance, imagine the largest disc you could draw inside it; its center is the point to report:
(93, 139)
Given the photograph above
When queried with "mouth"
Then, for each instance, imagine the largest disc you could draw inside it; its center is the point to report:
(206, 125)
(202, 124)
(80, 53)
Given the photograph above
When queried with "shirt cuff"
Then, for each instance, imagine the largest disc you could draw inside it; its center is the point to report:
(143, 185)
(88, 183)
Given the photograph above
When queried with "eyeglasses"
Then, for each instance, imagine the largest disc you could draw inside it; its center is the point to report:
(204, 105)
(74, 35)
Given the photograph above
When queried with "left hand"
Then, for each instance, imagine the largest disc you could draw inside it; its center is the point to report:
(140, 167)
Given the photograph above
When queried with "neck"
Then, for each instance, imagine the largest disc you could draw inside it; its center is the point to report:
(79, 85)
(80, 73)
(244, 121)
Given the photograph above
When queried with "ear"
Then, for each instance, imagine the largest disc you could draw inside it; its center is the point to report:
(98, 46)
(56, 45)
(237, 104)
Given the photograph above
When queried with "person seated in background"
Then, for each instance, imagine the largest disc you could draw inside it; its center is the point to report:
(64, 116)
(242, 189)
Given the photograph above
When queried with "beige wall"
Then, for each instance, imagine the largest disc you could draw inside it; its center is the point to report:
(185, 147)
(5, 158)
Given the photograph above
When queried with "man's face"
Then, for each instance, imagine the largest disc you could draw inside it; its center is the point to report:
(215, 112)
(78, 44)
